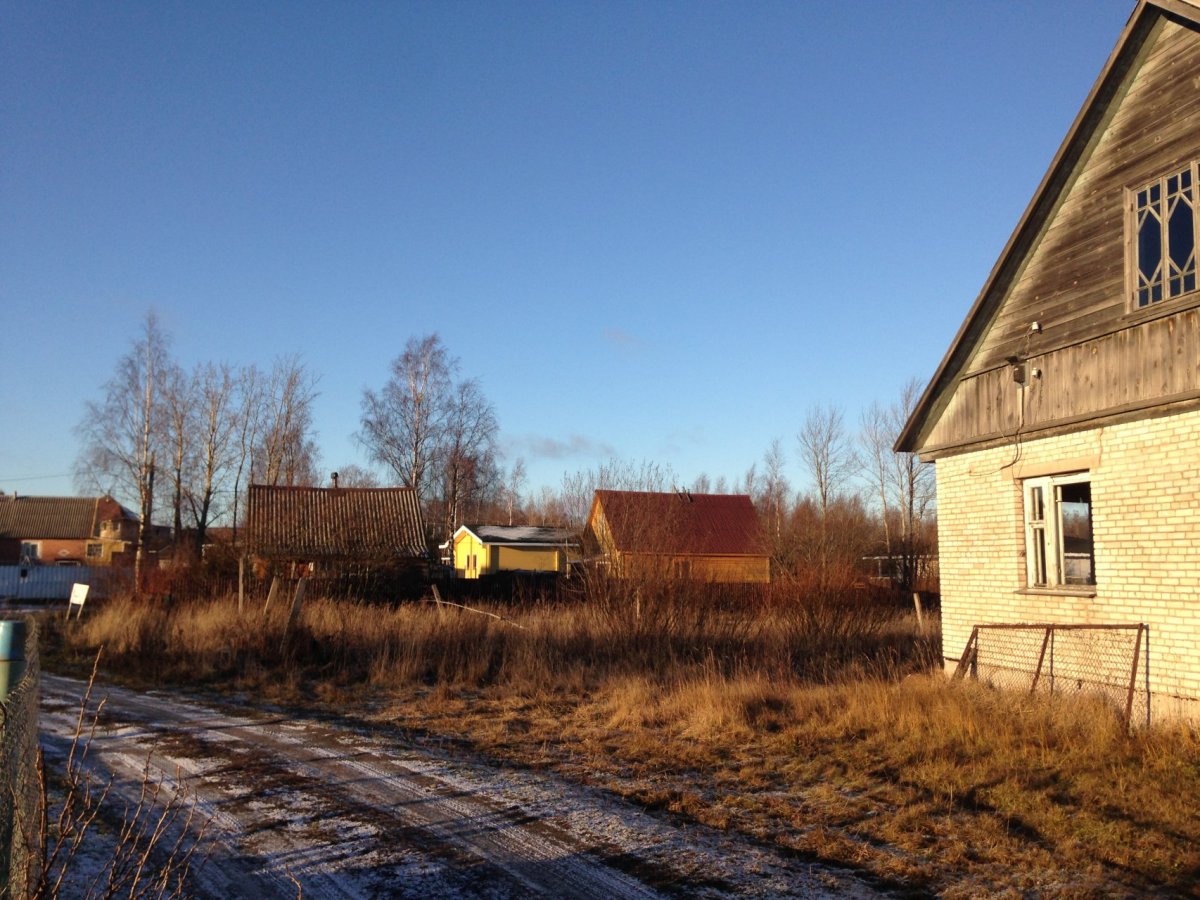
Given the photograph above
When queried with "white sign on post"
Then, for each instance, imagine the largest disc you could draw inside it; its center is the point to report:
(79, 594)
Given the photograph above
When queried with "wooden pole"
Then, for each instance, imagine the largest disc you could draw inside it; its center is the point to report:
(294, 615)
(271, 594)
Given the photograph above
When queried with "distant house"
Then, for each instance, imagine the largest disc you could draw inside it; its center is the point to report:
(327, 529)
(706, 537)
(1064, 419)
(482, 550)
(73, 531)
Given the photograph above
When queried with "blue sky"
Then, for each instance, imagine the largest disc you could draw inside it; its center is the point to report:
(655, 231)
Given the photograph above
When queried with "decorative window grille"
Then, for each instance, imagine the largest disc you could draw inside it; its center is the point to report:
(1166, 221)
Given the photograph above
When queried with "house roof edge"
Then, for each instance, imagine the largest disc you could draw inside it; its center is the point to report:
(1072, 149)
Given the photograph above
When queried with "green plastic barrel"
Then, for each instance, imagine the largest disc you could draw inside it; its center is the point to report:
(12, 656)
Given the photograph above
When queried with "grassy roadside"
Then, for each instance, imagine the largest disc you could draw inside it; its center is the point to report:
(806, 725)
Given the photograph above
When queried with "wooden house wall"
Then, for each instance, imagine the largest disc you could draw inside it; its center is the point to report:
(1097, 355)
(707, 568)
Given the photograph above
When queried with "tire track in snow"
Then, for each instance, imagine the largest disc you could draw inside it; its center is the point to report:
(351, 814)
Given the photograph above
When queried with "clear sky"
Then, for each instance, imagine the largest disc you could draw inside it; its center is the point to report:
(655, 231)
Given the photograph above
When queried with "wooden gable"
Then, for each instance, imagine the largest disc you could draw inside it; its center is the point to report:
(1092, 355)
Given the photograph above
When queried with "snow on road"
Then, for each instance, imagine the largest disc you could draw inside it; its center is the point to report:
(347, 809)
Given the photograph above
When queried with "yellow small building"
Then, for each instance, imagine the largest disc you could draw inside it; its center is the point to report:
(481, 550)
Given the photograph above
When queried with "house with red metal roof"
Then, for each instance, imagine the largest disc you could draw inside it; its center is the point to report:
(705, 537)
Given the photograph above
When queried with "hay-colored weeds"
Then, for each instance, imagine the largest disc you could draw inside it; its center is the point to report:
(812, 727)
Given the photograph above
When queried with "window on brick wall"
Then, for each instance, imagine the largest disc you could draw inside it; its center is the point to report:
(1058, 531)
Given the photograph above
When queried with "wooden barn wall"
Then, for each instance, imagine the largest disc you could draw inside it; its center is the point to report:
(1073, 282)
(1138, 367)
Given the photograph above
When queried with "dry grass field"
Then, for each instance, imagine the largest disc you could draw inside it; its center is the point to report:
(809, 719)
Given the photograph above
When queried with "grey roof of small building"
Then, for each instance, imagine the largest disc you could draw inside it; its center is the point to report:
(528, 535)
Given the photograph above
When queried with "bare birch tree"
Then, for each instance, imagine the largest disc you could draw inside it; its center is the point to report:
(772, 497)
(215, 399)
(178, 412)
(915, 492)
(467, 449)
(513, 484)
(286, 453)
(876, 438)
(901, 483)
(247, 423)
(119, 435)
(402, 425)
(829, 458)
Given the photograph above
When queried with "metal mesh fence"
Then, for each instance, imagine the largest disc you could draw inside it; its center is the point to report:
(19, 791)
(1110, 661)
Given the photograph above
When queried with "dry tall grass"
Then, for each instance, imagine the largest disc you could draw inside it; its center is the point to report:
(658, 631)
(807, 720)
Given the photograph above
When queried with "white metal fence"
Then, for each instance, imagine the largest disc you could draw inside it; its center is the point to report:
(21, 583)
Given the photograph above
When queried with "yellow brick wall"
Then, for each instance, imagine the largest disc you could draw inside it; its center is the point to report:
(1145, 482)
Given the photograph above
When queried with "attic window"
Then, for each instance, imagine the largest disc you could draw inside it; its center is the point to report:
(1164, 223)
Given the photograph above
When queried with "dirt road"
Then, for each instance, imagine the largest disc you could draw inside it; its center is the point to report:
(345, 808)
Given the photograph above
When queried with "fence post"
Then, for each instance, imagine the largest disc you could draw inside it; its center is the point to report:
(1042, 660)
(20, 844)
(964, 662)
(271, 594)
(1137, 650)
(294, 615)
(12, 656)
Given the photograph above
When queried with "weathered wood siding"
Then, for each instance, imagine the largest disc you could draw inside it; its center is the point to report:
(1120, 373)
(1097, 355)
(705, 568)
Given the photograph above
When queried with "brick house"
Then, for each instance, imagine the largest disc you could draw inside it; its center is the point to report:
(705, 537)
(1065, 417)
(93, 531)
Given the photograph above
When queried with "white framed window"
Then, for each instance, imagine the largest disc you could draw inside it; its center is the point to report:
(1164, 227)
(1059, 550)
(30, 550)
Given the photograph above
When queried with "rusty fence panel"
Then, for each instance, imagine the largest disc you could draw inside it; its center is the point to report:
(1111, 661)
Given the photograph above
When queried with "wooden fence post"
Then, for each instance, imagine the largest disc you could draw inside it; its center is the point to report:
(271, 594)
(294, 615)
